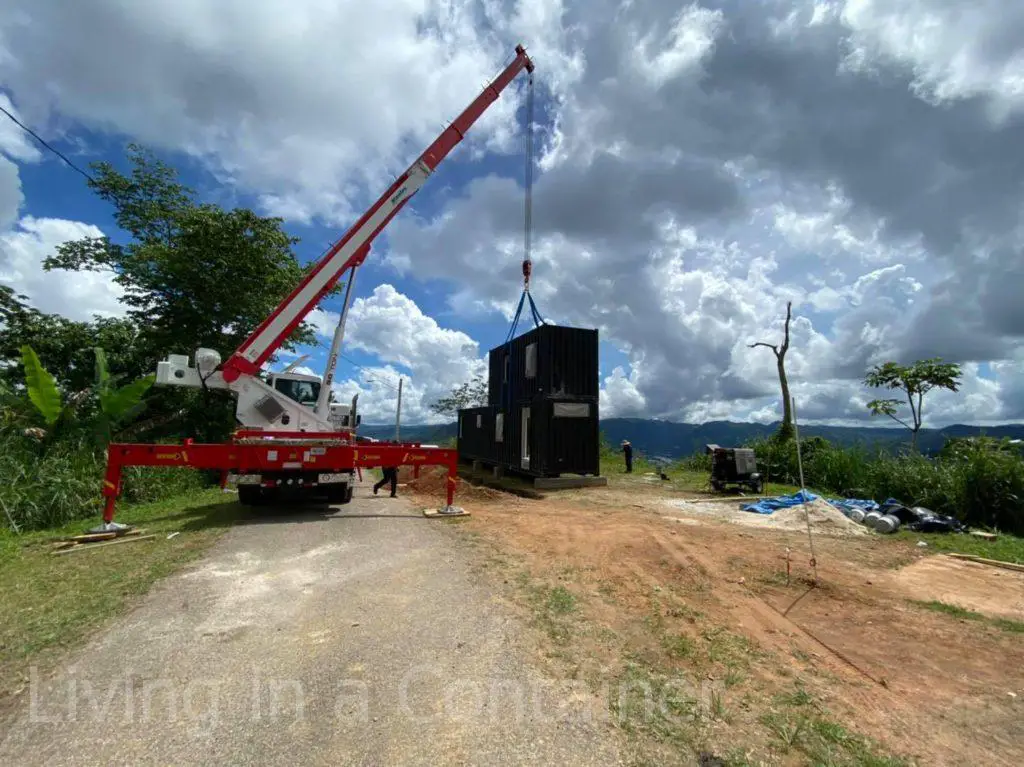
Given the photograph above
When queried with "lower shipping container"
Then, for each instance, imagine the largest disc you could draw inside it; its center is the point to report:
(544, 438)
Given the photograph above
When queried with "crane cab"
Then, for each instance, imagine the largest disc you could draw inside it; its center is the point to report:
(298, 387)
(305, 389)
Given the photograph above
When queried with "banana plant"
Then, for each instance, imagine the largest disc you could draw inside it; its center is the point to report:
(117, 405)
(42, 387)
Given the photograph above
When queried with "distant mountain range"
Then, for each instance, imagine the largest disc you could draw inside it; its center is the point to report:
(675, 440)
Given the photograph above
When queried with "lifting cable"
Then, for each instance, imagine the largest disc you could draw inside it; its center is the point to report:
(538, 320)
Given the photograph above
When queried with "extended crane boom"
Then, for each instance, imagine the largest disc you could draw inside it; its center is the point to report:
(354, 245)
(290, 438)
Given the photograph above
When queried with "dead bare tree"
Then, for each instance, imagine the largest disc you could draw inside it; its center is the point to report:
(786, 430)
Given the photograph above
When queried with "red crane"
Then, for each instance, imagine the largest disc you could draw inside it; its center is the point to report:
(293, 444)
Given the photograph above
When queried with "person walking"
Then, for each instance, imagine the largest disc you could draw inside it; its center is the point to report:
(627, 452)
(388, 474)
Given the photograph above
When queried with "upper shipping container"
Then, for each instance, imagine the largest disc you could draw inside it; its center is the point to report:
(549, 361)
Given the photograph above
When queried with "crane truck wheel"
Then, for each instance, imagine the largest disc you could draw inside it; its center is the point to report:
(339, 494)
(250, 495)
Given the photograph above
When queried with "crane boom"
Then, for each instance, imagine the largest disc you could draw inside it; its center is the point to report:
(353, 247)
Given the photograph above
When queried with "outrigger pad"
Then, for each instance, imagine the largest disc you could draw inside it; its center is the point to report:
(445, 511)
(110, 527)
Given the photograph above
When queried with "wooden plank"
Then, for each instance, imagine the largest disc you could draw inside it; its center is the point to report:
(90, 546)
(90, 537)
(990, 562)
(983, 535)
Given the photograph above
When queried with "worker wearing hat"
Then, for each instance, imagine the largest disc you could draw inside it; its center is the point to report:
(627, 452)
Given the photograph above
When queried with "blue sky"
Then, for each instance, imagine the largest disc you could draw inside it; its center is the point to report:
(697, 168)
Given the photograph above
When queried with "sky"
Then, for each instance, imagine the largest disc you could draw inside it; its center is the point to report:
(697, 166)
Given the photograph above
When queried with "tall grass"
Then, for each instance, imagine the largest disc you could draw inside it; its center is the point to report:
(51, 487)
(980, 483)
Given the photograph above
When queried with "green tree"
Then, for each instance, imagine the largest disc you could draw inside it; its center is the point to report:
(63, 346)
(193, 274)
(473, 393)
(914, 381)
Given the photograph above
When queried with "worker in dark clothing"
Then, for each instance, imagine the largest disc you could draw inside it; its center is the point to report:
(388, 474)
(627, 452)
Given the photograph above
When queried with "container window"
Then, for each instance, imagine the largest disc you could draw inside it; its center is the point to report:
(531, 360)
(524, 460)
(479, 421)
(571, 410)
(499, 427)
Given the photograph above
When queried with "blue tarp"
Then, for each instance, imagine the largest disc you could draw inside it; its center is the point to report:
(769, 505)
(846, 505)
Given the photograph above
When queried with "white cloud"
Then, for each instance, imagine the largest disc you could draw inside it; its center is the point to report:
(14, 146)
(689, 40)
(700, 168)
(10, 192)
(956, 50)
(431, 359)
(620, 397)
(311, 104)
(76, 295)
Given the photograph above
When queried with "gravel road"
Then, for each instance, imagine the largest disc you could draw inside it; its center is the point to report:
(356, 635)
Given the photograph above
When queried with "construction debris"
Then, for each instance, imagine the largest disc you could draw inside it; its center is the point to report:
(824, 518)
(74, 545)
(92, 539)
(989, 562)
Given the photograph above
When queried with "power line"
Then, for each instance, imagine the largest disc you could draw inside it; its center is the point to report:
(368, 374)
(89, 178)
(38, 138)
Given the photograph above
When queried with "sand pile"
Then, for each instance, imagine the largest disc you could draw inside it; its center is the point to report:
(433, 480)
(825, 519)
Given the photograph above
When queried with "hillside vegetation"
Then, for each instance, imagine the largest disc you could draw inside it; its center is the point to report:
(678, 440)
(979, 481)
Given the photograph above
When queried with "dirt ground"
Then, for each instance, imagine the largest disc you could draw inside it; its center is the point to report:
(850, 670)
(973, 586)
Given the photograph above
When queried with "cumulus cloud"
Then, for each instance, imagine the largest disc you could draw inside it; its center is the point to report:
(76, 295)
(620, 397)
(699, 167)
(680, 218)
(26, 242)
(431, 359)
(310, 102)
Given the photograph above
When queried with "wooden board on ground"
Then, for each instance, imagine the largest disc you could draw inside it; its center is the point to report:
(77, 546)
(989, 562)
(91, 537)
(438, 514)
(983, 535)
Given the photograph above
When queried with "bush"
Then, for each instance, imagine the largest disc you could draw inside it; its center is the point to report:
(63, 483)
(980, 482)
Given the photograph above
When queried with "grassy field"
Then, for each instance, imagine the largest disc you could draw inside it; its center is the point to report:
(1006, 624)
(683, 477)
(1005, 548)
(51, 602)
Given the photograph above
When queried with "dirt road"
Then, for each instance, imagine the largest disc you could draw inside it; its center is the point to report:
(355, 636)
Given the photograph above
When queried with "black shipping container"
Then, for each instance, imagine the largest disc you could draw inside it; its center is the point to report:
(544, 438)
(476, 434)
(548, 361)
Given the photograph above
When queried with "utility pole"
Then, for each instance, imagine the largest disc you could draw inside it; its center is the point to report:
(398, 413)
